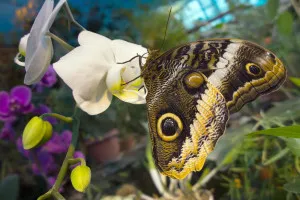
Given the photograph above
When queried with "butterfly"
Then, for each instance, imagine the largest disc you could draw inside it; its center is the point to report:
(193, 88)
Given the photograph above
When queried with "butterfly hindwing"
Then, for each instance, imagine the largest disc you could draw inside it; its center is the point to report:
(184, 124)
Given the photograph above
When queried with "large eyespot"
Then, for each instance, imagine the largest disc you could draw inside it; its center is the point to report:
(253, 69)
(169, 127)
(193, 80)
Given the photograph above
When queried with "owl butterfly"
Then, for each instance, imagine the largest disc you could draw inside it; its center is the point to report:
(191, 91)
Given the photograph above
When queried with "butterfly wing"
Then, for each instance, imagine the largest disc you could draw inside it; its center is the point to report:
(187, 113)
(184, 125)
(228, 64)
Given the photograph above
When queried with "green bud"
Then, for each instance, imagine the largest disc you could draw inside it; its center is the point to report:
(36, 133)
(81, 177)
(47, 133)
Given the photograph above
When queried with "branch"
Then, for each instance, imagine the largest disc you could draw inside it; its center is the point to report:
(196, 28)
(54, 191)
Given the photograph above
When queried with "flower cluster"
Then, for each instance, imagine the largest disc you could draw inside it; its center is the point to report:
(15, 103)
(44, 158)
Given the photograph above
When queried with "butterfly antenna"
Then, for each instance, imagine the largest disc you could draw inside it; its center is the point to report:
(166, 29)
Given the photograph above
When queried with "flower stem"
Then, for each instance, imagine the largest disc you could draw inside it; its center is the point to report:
(61, 41)
(58, 116)
(64, 168)
(46, 195)
(58, 196)
(76, 160)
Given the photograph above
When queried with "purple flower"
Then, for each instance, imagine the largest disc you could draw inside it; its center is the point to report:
(48, 80)
(41, 109)
(78, 154)
(7, 132)
(58, 143)
(17, 102)
(46, 163)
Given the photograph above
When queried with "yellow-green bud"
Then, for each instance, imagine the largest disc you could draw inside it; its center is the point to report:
(81, 177)
(36, 133)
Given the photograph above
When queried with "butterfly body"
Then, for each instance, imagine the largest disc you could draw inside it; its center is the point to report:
(191, 91)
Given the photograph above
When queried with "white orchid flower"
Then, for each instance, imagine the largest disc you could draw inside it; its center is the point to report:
(92, 71)
(38, 44)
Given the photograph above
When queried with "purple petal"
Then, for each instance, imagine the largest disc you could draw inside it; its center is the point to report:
(47, 163)
(4, 103)
(41, 109)
(27, 109)
(66, 138)
(55, 145)
(22, 94)
(7, 132)
(7, 118)
(49, 79)
(78, 154)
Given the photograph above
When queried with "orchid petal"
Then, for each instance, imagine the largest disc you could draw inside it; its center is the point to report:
(37, 64)
(35, 33)
(132, 96)
(22, 94)
(114, 79)
(90, 38)
(52, 16)
(95, 105)
(4, 103)
(39, 50)
(83, 69)
(124, 51)
(8, 118)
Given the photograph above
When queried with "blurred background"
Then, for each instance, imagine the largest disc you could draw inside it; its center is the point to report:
(114, 143)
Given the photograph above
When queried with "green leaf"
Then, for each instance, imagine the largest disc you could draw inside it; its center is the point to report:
(272, 8)
(295, 80)
(9, 188)
(287, 131)
(285, 23)
(294, 145)
(293, 186)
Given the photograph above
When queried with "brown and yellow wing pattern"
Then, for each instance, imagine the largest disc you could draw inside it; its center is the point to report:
(192, 89)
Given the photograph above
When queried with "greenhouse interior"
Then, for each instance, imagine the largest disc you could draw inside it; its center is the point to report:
(150, 99)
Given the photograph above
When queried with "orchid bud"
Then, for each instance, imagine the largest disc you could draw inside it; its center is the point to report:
(36, 133)
(81, 177)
